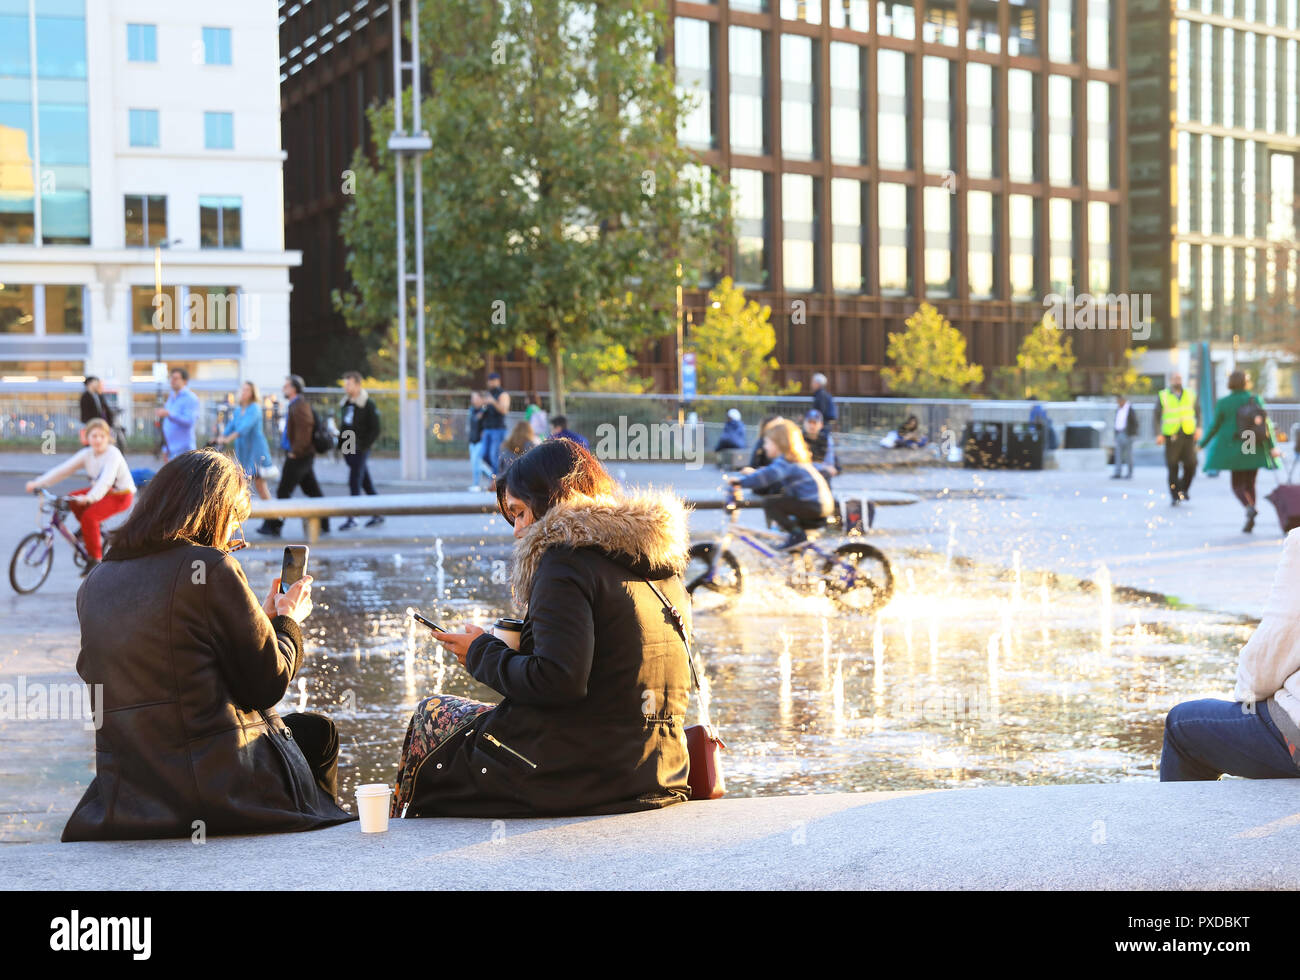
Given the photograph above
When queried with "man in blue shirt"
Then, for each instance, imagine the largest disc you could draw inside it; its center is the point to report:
(560, 430)
(179, 417)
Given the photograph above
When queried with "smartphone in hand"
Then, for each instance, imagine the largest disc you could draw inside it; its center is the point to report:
(433, 626)
(294, 566)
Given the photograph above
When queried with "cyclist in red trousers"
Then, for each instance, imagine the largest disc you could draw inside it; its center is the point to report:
(111, 492)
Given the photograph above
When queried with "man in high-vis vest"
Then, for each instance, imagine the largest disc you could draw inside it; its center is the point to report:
(1178, 422)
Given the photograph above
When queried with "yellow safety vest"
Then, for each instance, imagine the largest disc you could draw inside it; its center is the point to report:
(1176, 413)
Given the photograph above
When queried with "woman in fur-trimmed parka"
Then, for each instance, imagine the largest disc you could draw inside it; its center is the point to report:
(593, 705)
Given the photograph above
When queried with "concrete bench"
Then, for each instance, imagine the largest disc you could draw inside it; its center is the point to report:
(312, 510)
(1137, 834)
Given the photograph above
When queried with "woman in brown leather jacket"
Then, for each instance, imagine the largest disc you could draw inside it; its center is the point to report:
(190, 666)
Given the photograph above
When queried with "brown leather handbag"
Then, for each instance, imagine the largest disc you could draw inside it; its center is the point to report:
(702, 742)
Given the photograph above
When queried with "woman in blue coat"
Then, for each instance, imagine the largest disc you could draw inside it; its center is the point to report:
(245, 427)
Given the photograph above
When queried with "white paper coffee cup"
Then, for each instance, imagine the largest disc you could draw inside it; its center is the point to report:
(372, 807)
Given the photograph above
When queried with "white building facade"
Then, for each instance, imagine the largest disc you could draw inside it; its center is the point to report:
(140, 140)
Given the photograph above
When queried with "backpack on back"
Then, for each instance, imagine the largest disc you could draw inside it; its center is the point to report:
(1252, 417)
(321, 440)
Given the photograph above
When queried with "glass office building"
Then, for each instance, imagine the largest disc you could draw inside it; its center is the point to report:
(970, 153)
(1214, 232)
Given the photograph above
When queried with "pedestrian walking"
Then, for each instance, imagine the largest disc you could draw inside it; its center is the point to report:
(1126, 429)
(496, 406)
(359, 427)
(536, 416)
(1242, 441)
(300, 453)
(93, 405)
(247, 431)
(475, 429)
(179, 416)
(822, 400)
(1178, 420)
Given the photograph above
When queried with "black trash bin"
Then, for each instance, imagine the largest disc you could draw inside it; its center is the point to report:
(1025, 444)
(982, 446)
(1083, 435)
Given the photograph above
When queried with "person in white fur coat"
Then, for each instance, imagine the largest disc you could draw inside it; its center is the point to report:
(1256, 734)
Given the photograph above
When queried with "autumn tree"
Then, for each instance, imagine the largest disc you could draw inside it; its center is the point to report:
(1124, 379)
(733, 346)
(929, 358)
(558, 201)
(1043, 365)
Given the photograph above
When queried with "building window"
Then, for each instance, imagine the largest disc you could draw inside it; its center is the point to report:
(1022, 106)
(219, 130)
(850, 13)
(748, 98)
(893, 90)
(18, 202)
(895, 211)
(848, 219)
(17, 308)
(61, 45)
(937, 86)
(938, 241)
(219, 222)
(146, 220)
(1282, 201)
(1060, 30)
(1099, 249)
(694, 56)
(150, 315)
(1249, 190)
(1023, 36)
(798, 98)
(981, 122)
(65, 310)
(209, 308)
(848, 141)
(1022, 222)
(1060, 130)
(757, 6)
(1100, 53)
(940, 25)
(799, 231)
(1100, 136)
(1230, 186)
(141, 42)
(982, 236)
(143, 127)
(749, 201)
(1060, 226)
(1250, 97)
(1184, 167)
(982, 32)
(15, 51)
(896, 19)
(216, 45)
(808, 11)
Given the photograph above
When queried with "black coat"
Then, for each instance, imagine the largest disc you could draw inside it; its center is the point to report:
(191, 669)
(595, 701)
(95, 408)
(361, 418)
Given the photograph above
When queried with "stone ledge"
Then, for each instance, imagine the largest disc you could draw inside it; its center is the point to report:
(1233, 834)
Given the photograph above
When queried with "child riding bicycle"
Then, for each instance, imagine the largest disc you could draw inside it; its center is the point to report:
(111, 490)
(804, 498)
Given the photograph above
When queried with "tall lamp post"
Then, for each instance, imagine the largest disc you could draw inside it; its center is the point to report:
(158, 329)
(409, 145)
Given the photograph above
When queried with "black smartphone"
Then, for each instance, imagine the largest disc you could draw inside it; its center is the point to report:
(294, 567)
(433, 626)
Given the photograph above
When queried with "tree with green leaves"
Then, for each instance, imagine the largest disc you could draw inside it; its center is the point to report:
(733, 346)
(929, 358)
(558, 201)
(1043, 365)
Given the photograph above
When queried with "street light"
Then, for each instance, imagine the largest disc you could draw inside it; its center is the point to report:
(409, 145)
(157, 291)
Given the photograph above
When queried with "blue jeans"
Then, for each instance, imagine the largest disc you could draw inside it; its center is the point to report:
(477, 467)
(490, 447)
(358, 472)
(1205, 739)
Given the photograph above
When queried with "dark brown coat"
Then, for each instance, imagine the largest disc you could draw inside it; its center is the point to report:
(299, 426)
(191, 669)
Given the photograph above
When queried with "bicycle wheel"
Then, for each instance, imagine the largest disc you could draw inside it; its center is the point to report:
(859, 578)
(710, 591)
(31, 563)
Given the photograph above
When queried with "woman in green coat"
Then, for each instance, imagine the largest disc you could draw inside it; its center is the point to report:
(1241, 451)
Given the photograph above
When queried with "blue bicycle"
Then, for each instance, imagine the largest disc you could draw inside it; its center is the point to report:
(34, 556)
(854, 574)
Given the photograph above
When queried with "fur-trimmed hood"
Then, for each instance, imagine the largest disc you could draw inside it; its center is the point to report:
(645, 531)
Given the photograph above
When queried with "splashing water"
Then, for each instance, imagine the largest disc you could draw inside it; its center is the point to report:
(302, 693)
(440, 572)
(1015, 588)
(1106, 594)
